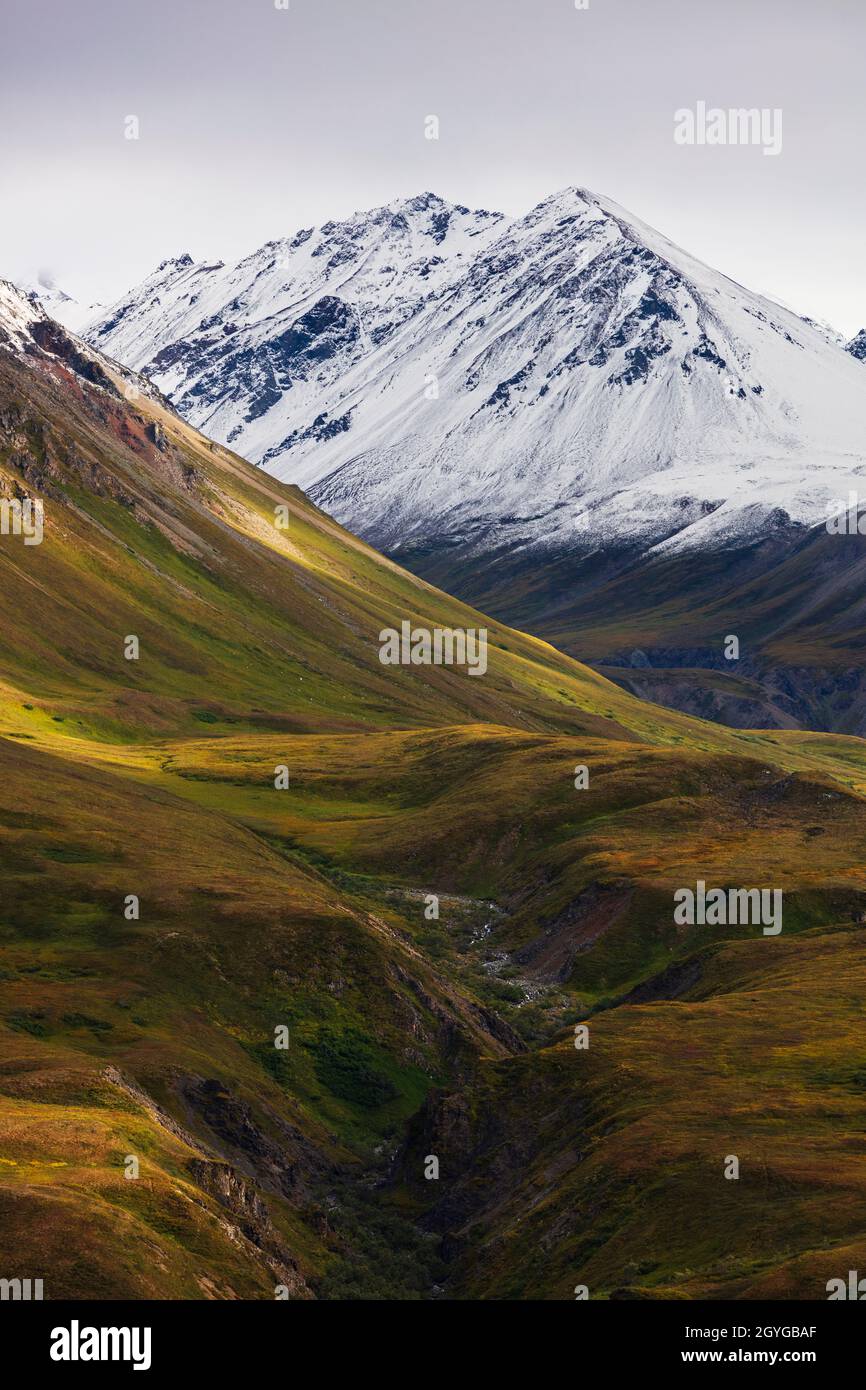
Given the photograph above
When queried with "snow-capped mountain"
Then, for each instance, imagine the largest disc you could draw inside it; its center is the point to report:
(567, 379)
(60, 306)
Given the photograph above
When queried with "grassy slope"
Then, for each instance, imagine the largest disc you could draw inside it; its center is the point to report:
(619, 1183)
(304, 907)
(236, 618)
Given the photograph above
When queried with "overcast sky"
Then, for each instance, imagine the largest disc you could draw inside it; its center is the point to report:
(255, 121)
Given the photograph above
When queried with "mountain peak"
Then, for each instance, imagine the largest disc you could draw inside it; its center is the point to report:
(568, 199)
(418, 202)
(181, 262)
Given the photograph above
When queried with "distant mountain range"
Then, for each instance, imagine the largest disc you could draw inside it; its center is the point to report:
(525, 410)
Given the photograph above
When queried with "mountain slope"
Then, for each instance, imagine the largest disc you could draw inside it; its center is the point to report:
(169, 904)
(151, 531)
(658, 623)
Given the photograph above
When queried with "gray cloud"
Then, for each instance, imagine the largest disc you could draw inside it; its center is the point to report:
(255, 121)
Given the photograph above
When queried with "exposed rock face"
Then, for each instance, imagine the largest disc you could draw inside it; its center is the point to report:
(550, 958)
(857, 345)
(232, 1126)
(286, 1166)
(53, 339)
(252, 1221)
